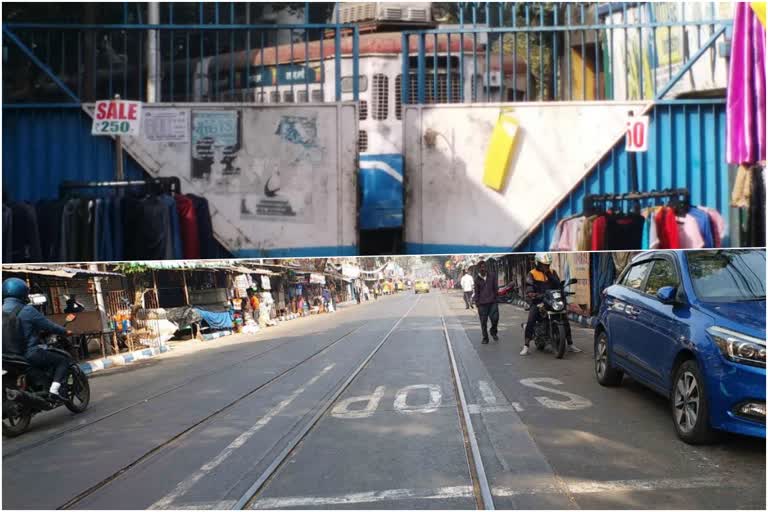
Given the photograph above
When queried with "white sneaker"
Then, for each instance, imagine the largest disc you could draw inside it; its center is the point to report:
(524, 352)
(574, 349)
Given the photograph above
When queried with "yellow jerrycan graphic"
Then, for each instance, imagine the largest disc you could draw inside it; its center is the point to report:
(500, 150)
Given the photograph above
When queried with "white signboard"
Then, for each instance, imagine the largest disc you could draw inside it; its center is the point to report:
(316, 278)
(265, 283)
(116, 117)
(637, 133)
(166, 125)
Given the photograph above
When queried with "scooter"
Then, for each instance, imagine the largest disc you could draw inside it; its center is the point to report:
(551, 320)
(25, 388)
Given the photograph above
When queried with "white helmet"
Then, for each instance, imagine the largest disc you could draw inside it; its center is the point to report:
(544, 258)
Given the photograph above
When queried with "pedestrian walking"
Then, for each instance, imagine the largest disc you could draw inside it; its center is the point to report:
(486, 290)
(467, 286)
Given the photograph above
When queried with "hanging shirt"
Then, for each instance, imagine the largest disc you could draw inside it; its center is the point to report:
(705, 226)
(585, 235)
(624, 232)
(570, 234)
(688, 232)
(667, 229)
(598, 233)
(653, 232)
(719, 230)
(188, 227)
(556, 236)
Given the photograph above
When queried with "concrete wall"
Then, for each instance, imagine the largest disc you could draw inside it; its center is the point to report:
(280, 179)
(449, 209)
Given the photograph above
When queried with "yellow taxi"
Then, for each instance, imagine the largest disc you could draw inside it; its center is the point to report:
(421, 287)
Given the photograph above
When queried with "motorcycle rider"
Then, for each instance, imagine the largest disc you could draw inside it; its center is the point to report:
(31, 324)
(538, 280)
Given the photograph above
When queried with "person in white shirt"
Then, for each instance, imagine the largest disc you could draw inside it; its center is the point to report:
(467, 286)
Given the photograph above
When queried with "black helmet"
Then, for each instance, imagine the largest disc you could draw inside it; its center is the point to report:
(16, 288)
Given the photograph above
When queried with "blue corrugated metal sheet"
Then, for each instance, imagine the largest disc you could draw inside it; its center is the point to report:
(686, 149)
(43, 147)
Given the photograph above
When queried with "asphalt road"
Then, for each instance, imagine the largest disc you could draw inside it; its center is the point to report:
(197, 427)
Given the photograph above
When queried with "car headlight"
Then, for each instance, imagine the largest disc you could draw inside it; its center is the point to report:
(738, 347)
(558, 305)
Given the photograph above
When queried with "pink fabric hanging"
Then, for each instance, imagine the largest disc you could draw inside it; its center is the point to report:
(746, 89)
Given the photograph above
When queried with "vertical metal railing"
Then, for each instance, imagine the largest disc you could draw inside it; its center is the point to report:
(199, 62)
(570, 51)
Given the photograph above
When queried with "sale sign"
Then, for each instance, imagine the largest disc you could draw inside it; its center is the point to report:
(637, 133)
(116, 117)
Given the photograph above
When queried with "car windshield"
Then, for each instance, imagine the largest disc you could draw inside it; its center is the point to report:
(728, 276)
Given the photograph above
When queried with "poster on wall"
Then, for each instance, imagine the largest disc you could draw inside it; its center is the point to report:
(166, 125)
(265, 284)
(280, 187)
(216, 144)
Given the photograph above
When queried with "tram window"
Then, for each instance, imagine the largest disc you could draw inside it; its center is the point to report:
(301, 96)
(274, 97)
(288, 97)
(362, 141)
(347, 83)
(260, 97)
(363, 110)
(317, 96)
(380, 98)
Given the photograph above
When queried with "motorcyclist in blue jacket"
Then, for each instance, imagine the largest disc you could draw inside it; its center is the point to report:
(29, 342)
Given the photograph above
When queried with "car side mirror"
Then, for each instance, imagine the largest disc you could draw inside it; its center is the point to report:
(667, 294)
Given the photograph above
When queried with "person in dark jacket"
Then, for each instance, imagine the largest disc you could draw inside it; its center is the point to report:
(540, 279)
(73, 306)
(486, 290)
(31, 325)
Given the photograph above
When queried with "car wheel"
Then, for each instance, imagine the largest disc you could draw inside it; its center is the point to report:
(606, 374)
(690, 405)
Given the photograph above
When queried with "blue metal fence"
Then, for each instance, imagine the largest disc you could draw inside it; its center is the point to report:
(687, 150)
(562, 51)
(71, 63)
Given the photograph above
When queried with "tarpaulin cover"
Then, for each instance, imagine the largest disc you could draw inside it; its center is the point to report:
(603, 275)
(183, 316)
(216, 320)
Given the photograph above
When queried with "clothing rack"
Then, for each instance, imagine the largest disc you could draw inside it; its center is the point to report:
(680, 195)
(171, 184)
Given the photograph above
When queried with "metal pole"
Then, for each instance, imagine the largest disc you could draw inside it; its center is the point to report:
(632, 166)
(153, 57)
(119, 171)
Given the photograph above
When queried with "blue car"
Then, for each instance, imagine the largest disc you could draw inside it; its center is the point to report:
(691, 326)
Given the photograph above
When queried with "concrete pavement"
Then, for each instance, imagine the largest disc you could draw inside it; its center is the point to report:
(195, 429)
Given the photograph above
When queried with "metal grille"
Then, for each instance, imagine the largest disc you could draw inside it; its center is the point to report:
(362, 141)
(380, 97)
(363, 110)
(317, 96)
(301, 96)
(274, 97)
(429, 90)
(288, 97)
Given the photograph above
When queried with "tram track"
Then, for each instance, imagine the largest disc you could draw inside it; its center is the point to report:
(480, 486)
(250, 496)
(73, 502)
(143, 401)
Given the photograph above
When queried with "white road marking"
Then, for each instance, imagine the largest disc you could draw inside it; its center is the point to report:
(435, 397)
(184, 486)
(487, 392)
(573, 403)
(342, 408)
(465, 491)
(461, 491)
(477, 408)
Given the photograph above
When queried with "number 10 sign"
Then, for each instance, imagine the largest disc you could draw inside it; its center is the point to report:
(637, 133)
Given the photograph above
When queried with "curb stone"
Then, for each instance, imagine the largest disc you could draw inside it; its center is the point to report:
(97, 365)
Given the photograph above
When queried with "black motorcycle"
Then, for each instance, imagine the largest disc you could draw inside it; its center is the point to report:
(551, 320)
(25, 388)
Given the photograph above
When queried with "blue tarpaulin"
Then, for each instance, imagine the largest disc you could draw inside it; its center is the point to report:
(216, 320)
